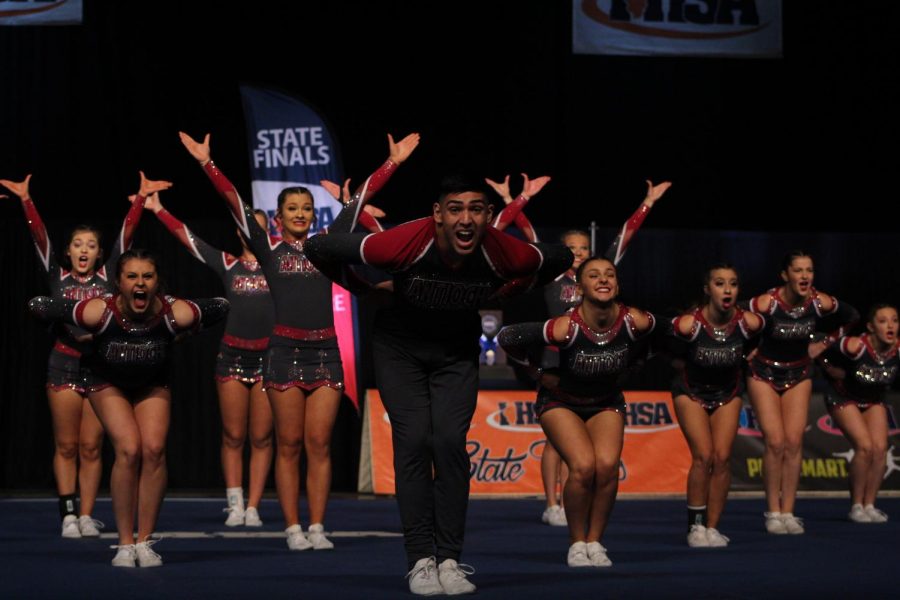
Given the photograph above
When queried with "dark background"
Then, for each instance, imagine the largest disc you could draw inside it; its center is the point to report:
(765, 155)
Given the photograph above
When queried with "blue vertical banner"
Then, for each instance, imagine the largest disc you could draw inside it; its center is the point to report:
(291, 144)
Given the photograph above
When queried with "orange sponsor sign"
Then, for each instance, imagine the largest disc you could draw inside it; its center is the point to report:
(505, 443)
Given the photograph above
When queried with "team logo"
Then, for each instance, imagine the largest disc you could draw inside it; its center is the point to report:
(648, 417)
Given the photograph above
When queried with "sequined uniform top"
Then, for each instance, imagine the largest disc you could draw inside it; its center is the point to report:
(714, 356)
(789, 330)
(252, 313)
(68, 285)
(301, 293)
(129, 354)
(593, 364)
(432, 300)
(868, 374)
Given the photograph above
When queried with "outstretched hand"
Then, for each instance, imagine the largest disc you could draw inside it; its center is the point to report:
(655, 192)
(340, 194)
(400, 151)
(149, 186)
(199, 150)
(502, 189)
(530, 187)
(152, 202)
(19, 188)
(374, 211)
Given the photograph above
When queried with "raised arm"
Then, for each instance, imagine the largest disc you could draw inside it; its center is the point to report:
(521, 221)
(35, 223)
(133, 218)
(616, 250)
(240, 211)
(511, 212)
(398, 153)
(202, 251)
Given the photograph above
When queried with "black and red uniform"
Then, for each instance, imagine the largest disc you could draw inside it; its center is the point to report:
(303, 348)
(592, 364)
(867, 374)
(252, 313)
(64, 367)
(713, 373)
(783, 358)
(130, 355)
(426, 360)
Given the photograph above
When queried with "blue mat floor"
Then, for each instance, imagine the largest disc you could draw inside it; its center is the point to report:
(515, 556)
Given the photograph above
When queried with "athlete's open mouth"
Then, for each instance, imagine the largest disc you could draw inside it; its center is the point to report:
(140, 299)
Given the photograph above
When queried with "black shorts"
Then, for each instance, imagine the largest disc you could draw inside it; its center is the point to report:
(709, 397)
(581, 406)
(780, 376)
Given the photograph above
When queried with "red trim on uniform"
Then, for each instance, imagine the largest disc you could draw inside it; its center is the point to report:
(400, 246)
(63, 349)
(295, 333)
(244, 343)
(246, 380)
(308, 386)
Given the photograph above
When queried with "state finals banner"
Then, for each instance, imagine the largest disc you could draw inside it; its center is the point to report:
(40, 12)
(505, 443)
(291, 145)
(727, 28)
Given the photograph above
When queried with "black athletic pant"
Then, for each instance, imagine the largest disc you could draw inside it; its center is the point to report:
(429, 389)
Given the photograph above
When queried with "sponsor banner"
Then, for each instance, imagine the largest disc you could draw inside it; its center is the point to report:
(826, 452)
(292, 145)
(505, 444)
(741, 28)
(40, 12)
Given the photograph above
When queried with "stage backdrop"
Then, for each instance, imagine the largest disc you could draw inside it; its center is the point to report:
(290, 144)
(505, 444)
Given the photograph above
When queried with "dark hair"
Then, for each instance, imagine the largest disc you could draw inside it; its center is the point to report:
(870, 316)
(97, 234)
(459, 183)
(139, 254)
(789, 258)
(566, 234)
(592, 259)
(283, 194)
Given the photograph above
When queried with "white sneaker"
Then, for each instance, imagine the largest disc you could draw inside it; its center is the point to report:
(697, 537)
(875, 515)
(235, 516)
(597, 555)
(452, 577)
(125, 556)
(146, 557)
(251, 517)
(70, 527)
(89, 527)
(792, 525)
(578, 556)
(554, 515)
(774, 524)
(423, 578)
(295, 538)
(317, 537)
(858, 514)
(716, 539)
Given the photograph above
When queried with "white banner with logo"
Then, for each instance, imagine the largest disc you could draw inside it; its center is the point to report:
(740, 28)
(40, 12)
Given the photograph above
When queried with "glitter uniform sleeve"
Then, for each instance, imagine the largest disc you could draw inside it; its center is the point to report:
(511, 213)
(41, 239)
(524, 340)
(616, 250)
(353, 210)
(208, 311)
(46, 308)
(202, 251)
(838, 322)
(555, 259)
(242, 214)
(126, 234)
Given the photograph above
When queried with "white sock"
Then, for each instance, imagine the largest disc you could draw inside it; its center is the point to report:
(235, 497)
